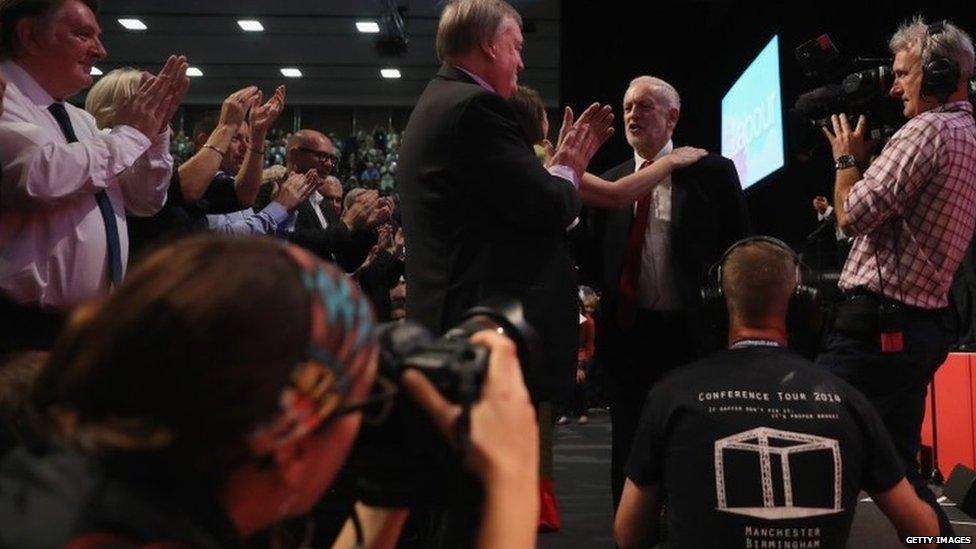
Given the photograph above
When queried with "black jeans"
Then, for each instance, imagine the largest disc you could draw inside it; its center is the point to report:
(896, 383)
(658, 343)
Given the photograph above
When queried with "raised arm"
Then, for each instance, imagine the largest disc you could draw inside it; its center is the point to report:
(598, 192)
(197, 173)
(248, 179)
(41, 173)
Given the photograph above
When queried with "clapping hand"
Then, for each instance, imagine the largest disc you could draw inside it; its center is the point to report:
(152, 106)
(263, 116)
(235, 107)
(580, 139)
(296, 189)
(380, 214)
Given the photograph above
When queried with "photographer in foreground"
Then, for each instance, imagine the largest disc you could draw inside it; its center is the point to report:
(208, 400)
(911, 214)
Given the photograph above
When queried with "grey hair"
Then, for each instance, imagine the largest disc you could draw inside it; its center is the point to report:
(351, 197)
(465, 23)
(333, 180)
(662, 88)
(952, 43)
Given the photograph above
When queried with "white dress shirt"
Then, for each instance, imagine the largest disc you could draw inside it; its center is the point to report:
(315, 201)
(655, 283)
(53, 248)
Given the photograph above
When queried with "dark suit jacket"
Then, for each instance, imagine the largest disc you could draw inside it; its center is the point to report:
(708, 214)
(483, 218)
(336, 243)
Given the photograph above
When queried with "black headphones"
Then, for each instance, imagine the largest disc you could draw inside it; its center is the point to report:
(804, 320)
(940, 75)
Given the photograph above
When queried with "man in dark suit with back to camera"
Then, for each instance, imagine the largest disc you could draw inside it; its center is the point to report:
(482, 217)
(651, 258)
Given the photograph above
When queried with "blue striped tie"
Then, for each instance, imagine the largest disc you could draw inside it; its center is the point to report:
(101, 198)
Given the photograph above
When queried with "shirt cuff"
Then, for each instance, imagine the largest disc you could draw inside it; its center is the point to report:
(565, 172)
(125, 145)
(162, 139)
(277, 212)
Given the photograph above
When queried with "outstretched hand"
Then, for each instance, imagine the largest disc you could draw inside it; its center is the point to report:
(685, 156)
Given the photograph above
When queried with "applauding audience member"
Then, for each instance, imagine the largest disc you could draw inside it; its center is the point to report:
(343, 237)
(226, 169)
(203, 194)
(66, 185)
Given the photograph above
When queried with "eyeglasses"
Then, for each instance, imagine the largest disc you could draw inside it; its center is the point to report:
(321, 156)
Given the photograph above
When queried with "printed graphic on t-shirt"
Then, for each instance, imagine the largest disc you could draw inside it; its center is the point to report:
(774, 454)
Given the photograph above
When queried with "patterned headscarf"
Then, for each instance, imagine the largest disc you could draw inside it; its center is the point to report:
(340, 339)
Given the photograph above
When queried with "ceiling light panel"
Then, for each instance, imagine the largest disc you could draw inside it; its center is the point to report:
(133, 24)
(250, 25)
(370, 27)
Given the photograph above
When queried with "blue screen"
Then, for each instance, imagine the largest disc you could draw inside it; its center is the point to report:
(752, 118)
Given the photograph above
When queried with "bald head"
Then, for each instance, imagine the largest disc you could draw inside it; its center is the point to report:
(309, 149)
(757, 281)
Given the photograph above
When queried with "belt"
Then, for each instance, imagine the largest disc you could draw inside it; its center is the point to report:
(867, 295)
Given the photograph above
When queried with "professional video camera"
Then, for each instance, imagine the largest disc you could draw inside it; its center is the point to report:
(858, 87)
(402, 460)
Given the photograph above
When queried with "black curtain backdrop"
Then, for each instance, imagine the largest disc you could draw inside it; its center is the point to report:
(701, 47)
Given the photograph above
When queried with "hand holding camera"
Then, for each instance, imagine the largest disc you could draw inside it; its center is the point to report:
(503, 431)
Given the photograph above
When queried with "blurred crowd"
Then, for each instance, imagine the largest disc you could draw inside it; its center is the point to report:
(366, 159)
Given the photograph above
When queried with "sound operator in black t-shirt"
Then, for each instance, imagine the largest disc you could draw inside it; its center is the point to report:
(754, 446)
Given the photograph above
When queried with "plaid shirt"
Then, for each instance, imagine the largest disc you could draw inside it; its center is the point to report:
(922, 190)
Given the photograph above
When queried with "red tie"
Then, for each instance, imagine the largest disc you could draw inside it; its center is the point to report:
(627, 303)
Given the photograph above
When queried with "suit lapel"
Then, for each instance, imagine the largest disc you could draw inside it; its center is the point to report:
(306, 216)
(679, 195)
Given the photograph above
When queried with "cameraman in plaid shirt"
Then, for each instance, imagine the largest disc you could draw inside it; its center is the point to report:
(912, 213)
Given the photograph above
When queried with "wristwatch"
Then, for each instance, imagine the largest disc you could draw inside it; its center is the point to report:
(845, 161)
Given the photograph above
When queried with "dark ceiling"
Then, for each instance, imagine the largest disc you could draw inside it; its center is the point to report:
(340, 65)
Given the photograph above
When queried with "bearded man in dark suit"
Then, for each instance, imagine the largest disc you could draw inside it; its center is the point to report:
(651, 258)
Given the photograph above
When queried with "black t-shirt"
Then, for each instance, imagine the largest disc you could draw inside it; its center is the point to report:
(709, 430)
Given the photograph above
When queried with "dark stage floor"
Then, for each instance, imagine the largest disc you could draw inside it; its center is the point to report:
(582, 487)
